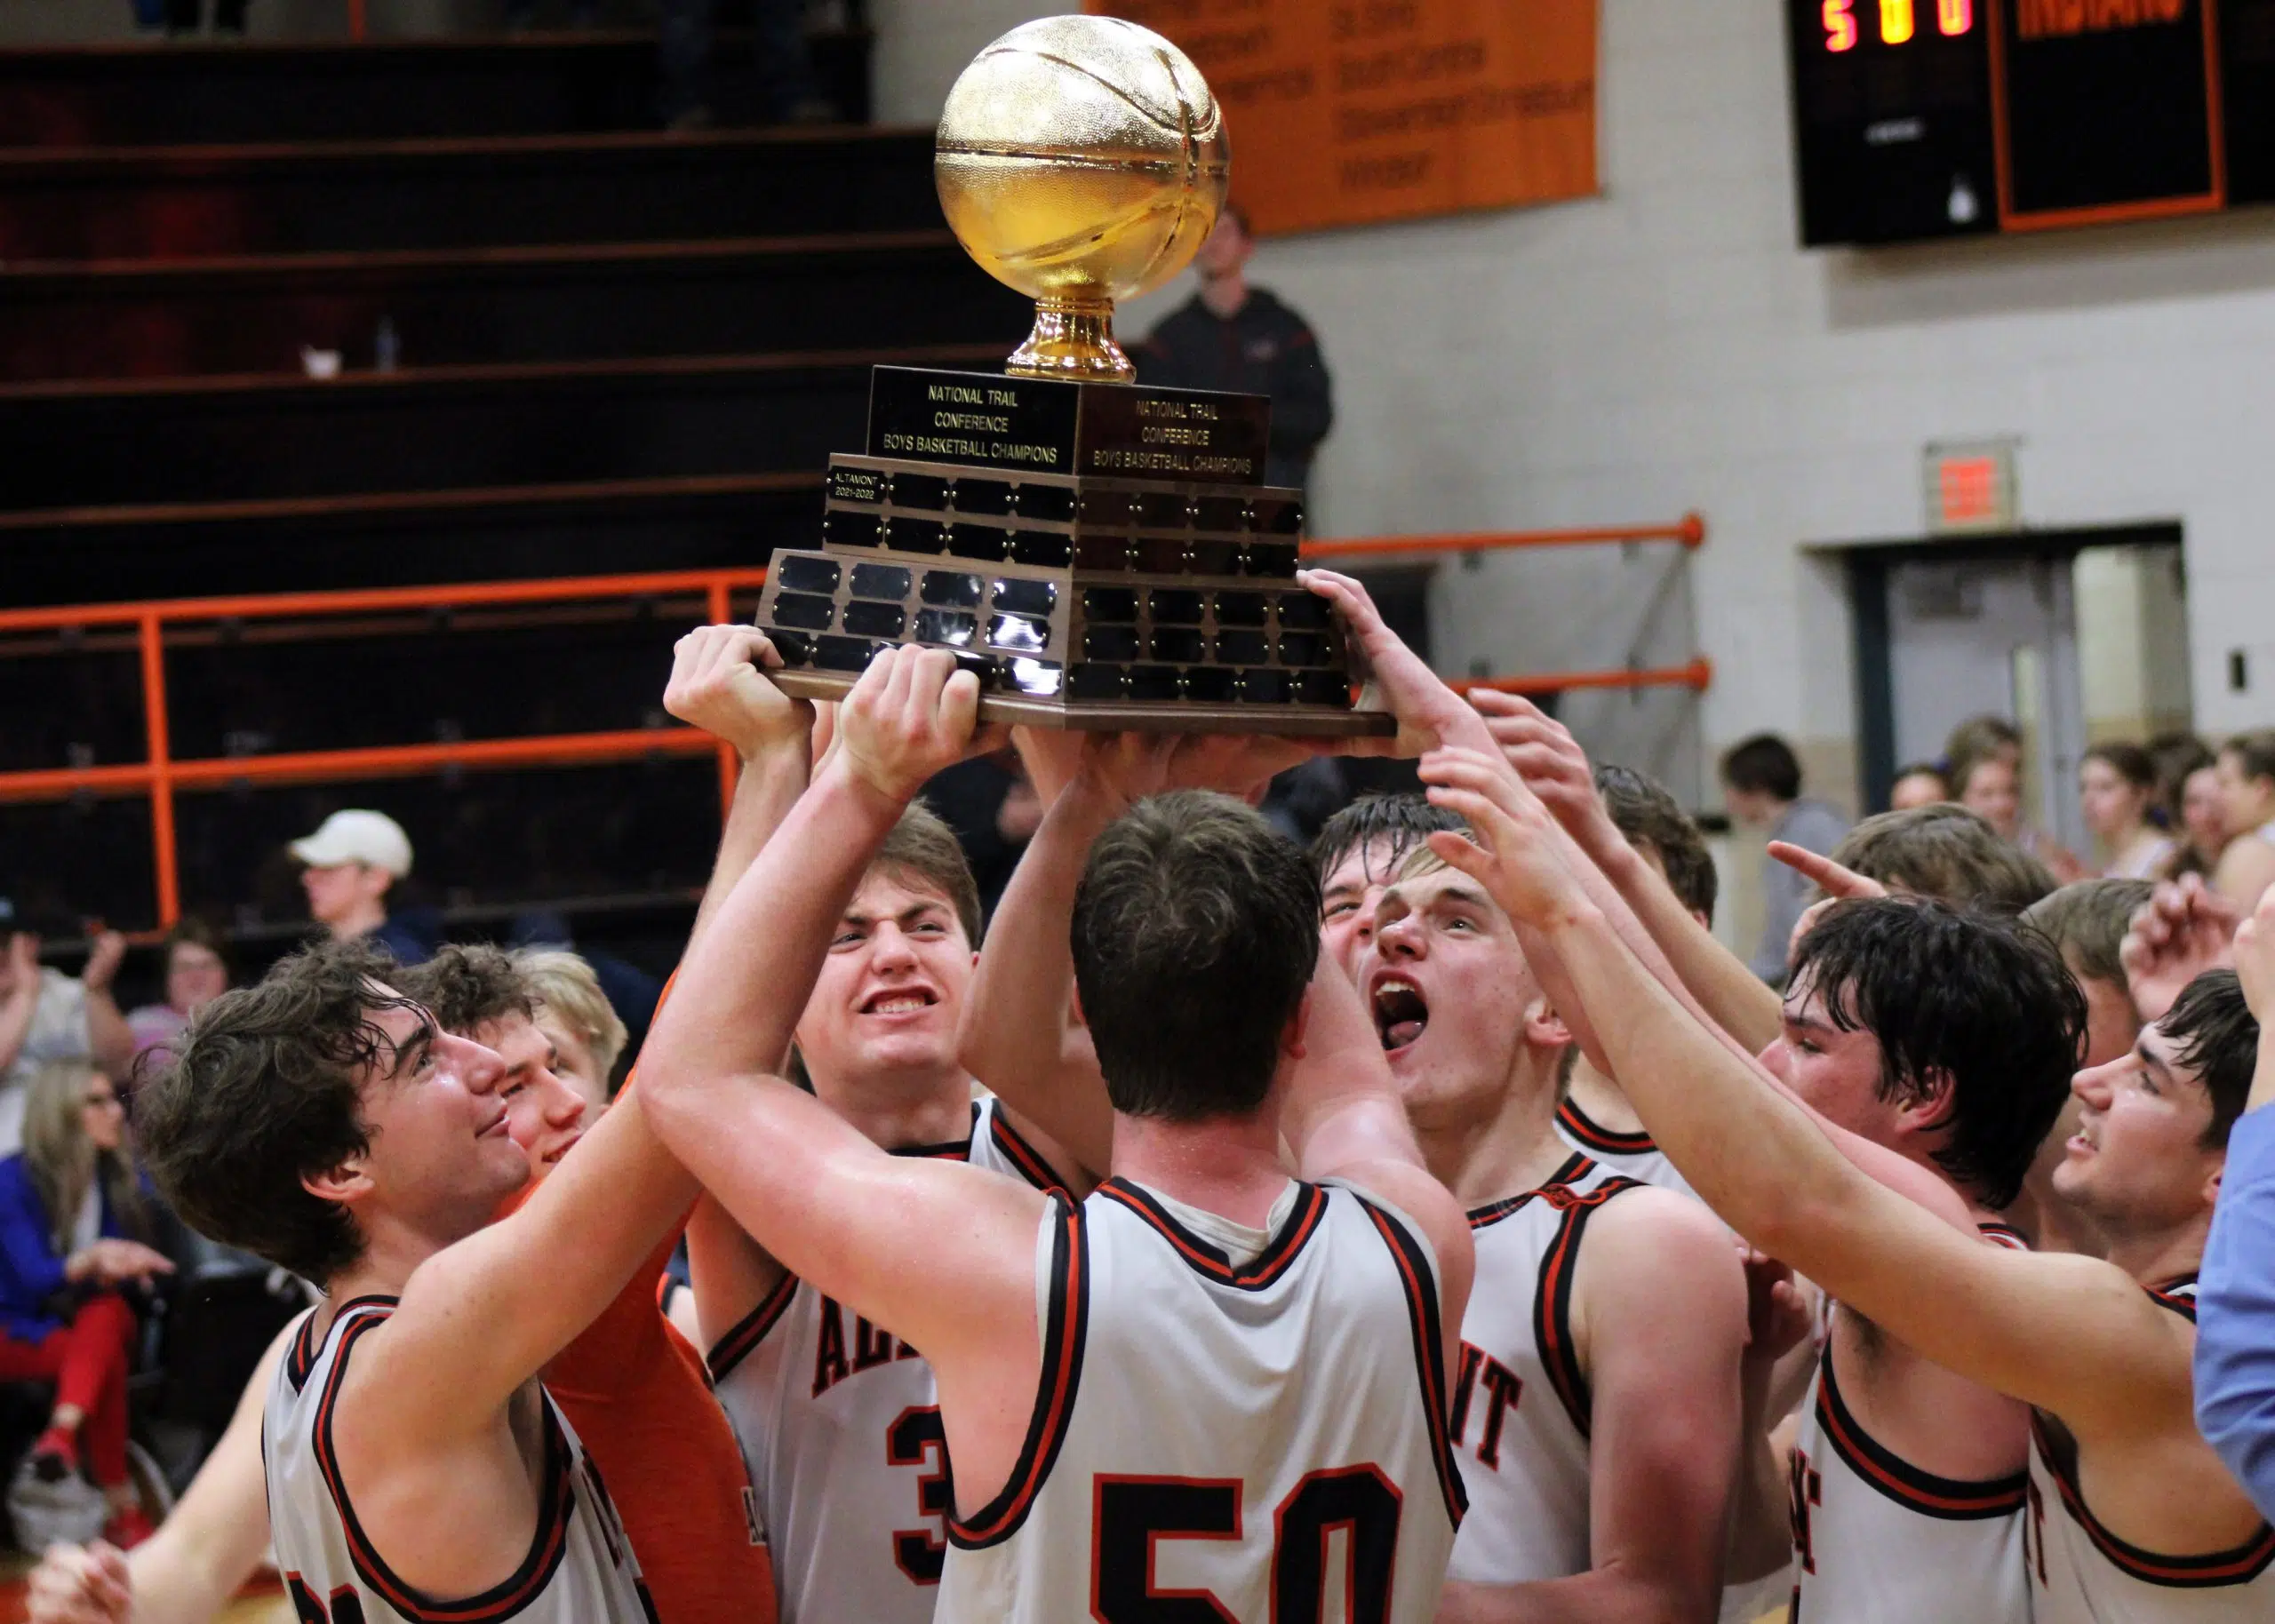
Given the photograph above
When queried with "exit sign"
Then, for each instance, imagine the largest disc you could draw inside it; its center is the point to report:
(1970, 487)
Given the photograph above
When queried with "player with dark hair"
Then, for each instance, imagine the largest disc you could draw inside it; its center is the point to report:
(1356, 855)
(635, 1391)
(2130, 1515)
(1287, 1329)
(1597, 1408)
(1595, 1117)
(414, 1463)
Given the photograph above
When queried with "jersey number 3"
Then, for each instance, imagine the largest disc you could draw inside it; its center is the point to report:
(1130, 1514)
(916, 1439)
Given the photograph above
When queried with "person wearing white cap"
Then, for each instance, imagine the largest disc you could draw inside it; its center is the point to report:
(351, 859)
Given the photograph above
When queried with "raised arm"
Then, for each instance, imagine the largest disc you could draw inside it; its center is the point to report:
(2235, 1343)
(864, 1227)
(1554, 767)
(110, 1042)
(2071, 1334)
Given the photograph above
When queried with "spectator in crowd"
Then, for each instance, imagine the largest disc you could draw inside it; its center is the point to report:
(575, 1017)
(351, 859)
(197, 972)
(2203, 823)
(1920, 783)
(2235, 1335)
(2177, 756)
(1233, 336)
(74, 1228)
(2117, 791)
(46, 1014)
(1761, 785)
(2247, 774)
(1985, 768)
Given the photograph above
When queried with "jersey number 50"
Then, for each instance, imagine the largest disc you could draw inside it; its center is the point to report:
(1130, 1514)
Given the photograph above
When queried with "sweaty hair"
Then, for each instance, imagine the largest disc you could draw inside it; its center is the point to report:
(1644, 812)
(467, 987)
(2087, 922)
(2129, 762)
(264, 1092)
(1196, 930)
(2214, 1035)
(1404, 820)
(1763, 764)
(1946, 852)
(923, 847)
(564, 984)
(1982, 1001)
(2255, 752)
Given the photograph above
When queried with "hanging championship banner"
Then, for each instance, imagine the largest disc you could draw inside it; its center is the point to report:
(1345, 112)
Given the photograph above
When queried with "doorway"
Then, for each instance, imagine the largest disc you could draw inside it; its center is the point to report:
(2077, 637)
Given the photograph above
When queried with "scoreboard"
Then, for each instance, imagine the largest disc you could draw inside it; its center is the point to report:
(1919, 119)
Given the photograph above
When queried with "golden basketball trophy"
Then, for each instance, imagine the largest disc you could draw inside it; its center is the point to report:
(1099, 555)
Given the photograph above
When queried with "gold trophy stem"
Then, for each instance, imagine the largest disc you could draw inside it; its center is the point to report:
(1072, 338)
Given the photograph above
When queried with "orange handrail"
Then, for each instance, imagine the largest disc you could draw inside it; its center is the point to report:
(160, 775)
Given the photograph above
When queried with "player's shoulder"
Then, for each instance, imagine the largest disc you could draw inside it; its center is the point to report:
(1642, 1236)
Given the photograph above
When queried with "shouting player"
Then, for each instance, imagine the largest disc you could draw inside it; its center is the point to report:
(2131, 1515)
(1207, 1365)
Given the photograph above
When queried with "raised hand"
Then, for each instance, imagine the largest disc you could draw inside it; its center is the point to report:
(76, 1585)
(1397, 679)
(717, 684)
(2183, 930)
(2255, 956)
(1839, 884)
(911, 715)
(1514, 857)
(1554, 766)
(103, 960)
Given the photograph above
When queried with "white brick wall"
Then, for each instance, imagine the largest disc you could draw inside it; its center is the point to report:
(1667, 346)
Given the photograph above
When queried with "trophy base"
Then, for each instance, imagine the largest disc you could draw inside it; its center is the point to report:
(1274, 721)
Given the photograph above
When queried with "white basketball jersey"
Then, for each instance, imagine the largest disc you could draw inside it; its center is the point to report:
(1520, 1405)
(1256, 1441)
(1636, 1156)
(2082, 1573)
(580, 1568)
(840, 1431)
(1877, 1541)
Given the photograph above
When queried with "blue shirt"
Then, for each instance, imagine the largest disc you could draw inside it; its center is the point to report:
(31, 1270)
(2235, 1313)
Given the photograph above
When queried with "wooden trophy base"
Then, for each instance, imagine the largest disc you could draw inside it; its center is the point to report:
(1276, 721)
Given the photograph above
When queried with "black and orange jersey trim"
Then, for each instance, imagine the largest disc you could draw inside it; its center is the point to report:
(1420, 1283)
(1953, 1499)
(556, 1502)
(1594, 1136)
(2237, 1567)
(1063, 1337)
(300, 1358)
(2178, 1295)
(1033, 1165)
(2004, 1234)
(1574, 1168)
(1551, 1302)
(1211, 1260)
(747, 1333)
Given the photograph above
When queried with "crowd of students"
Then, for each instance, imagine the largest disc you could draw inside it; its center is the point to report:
(1445, 1219)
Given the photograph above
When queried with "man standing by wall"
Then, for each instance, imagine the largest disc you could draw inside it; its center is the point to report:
(1233, 336)
(1761, 785)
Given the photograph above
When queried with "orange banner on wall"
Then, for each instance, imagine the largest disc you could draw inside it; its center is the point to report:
(1345, 112)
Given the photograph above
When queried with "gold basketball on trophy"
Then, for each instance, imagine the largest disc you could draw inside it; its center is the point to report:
(1081, 160)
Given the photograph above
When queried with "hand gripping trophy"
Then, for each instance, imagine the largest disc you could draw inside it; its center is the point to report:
(1099, 555)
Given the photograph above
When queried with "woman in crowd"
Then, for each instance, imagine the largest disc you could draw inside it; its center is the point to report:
(196, 974)
(2246, 770)
(2203, 822)
(74, 1224)
(2117, 789)
(1986, 772)
(1918, 784)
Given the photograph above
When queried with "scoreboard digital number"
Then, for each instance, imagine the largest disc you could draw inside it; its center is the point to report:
(1920, 119)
